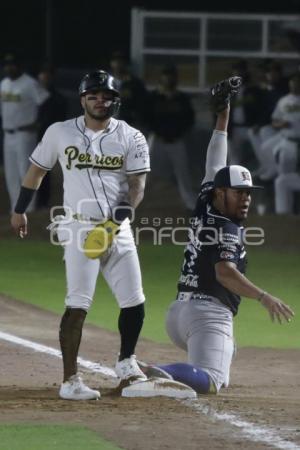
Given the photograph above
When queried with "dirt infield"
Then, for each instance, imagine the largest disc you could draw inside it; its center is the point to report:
(262, 403)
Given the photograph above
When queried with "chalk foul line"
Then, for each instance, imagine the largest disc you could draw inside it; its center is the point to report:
(252, 431)
(93, 366)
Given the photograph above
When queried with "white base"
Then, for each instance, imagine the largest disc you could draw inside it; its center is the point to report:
(154, 387)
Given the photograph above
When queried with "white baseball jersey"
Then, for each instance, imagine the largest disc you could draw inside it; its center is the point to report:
(95, 165)
(288, 109)
(20, 100)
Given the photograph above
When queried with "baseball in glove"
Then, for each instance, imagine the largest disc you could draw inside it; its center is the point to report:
(222, 92)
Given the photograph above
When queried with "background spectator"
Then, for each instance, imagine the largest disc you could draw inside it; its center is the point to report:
(54, 109)
(246, 110)
(132, 92)
(21, 96)
(286, 118)
(274, 87)
(171, 117)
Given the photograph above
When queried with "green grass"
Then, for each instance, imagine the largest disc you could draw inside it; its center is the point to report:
(34, 272)
(50, 437)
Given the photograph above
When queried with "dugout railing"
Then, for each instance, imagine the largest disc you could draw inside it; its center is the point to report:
(204, 45)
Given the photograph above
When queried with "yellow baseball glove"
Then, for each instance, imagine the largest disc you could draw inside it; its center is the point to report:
(99, 239)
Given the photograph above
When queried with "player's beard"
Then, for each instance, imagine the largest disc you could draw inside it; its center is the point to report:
(231, 213)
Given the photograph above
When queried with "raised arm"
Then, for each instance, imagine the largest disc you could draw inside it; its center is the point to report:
(216, 156)
(221, 95)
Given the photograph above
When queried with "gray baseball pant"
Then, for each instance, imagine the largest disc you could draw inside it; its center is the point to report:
(204, 328)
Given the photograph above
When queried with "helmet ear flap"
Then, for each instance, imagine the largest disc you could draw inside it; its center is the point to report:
(115, 106)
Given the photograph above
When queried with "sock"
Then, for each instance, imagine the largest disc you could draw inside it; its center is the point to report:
(193, 376)
(70, 337)
(130, 325)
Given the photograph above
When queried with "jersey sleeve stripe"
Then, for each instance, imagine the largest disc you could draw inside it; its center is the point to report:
(31, 159)
(145, 169)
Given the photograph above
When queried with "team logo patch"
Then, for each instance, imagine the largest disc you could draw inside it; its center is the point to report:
(226, 255)
(87, 161)
(245, 176)
(102, 78)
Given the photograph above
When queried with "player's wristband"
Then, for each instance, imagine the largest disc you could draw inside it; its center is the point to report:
(25, 197)
(122, 212)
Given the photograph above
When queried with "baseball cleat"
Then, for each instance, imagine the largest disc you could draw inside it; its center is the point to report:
(159, 387)
(153, 371)
(75, 389)
(128, 368)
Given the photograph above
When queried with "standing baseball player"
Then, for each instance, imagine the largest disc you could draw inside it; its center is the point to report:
(21, 96)
(104, 163)
(212, 278)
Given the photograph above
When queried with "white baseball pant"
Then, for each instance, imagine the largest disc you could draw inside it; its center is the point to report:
(119, 266)
(18, 146)
(286, 184)
(263, 143)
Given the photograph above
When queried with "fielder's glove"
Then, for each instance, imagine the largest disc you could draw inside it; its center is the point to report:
(100, 238)
(222, 92)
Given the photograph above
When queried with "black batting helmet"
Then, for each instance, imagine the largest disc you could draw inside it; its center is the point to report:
(101, 80)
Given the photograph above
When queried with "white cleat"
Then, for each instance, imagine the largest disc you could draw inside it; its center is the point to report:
(128, 368)
(75, 389)
(155, 387)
